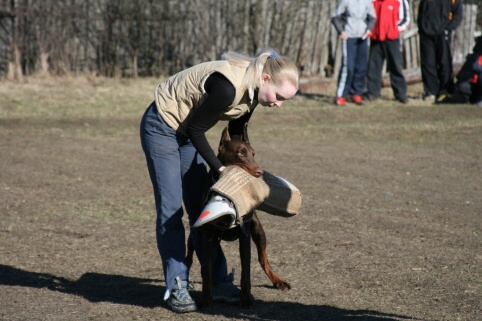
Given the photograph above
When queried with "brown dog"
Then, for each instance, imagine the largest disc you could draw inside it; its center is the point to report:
(236, 152)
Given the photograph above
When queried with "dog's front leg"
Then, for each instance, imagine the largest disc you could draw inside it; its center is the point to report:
(259, 239)
(247, 299)
(207, 267)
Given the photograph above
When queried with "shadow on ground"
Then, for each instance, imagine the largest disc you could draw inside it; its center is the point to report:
(94, 287)
(142, 292)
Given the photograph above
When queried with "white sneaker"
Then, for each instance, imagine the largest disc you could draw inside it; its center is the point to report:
(429, 98)
(219, 211)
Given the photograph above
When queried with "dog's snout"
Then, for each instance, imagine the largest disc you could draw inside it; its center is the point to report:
(258, 172)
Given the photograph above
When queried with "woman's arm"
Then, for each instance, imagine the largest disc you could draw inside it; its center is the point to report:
(220, 96)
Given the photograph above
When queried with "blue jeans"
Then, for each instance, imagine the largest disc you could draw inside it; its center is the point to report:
(178, 174)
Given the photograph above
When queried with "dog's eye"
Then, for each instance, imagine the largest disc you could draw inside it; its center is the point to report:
(243, 152)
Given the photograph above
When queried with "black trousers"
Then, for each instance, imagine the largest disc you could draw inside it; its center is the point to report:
(436, 63)
(379, 51)
(472, 92)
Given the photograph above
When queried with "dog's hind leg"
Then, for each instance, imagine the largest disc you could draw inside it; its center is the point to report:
(259, 238)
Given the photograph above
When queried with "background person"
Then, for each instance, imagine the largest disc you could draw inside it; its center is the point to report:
(436, 21)
(468, 88)
(472, 88)
(393, 17)
(353, 19)
(173, 138)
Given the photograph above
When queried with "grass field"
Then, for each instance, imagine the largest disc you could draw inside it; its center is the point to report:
(390, 227)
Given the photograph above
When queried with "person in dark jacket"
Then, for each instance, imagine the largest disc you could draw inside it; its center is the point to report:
(393, 17)
(472, 88)
(468, 88)
(437, 19)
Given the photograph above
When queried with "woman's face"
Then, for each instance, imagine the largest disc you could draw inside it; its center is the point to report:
(271, 95)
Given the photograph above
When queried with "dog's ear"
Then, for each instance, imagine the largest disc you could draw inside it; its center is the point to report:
(224, 138)
(245, 133)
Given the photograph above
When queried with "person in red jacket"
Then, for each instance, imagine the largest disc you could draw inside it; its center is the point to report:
(392, 17)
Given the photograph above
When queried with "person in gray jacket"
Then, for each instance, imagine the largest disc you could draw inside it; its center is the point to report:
(354, 20)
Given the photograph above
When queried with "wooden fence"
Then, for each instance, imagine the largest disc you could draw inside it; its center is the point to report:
(115, 38)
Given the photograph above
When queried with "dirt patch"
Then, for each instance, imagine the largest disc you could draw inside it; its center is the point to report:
(389, 230)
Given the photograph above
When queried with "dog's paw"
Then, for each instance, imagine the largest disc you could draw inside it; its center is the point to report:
(282, 285)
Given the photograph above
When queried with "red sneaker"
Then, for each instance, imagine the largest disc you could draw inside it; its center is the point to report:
(357, 99)
(340, 101)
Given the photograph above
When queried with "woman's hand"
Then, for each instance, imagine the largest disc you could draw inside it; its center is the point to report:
(221, 169)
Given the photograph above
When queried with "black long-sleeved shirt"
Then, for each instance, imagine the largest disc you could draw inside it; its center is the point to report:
(220, 96)
(434, 16)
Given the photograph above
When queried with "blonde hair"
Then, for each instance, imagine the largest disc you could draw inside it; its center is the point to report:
(280, 68)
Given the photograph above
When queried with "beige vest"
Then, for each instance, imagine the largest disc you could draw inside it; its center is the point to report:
(184, 92)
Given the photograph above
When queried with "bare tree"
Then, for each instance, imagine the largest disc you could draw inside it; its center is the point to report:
(124, 38)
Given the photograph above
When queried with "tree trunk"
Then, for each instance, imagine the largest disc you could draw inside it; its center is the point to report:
(135, 68)
(44, 63)
(15, 65)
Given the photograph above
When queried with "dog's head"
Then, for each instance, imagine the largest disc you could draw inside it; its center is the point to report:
(238, 151)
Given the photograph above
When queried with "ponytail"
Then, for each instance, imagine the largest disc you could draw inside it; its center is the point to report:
(280, 68)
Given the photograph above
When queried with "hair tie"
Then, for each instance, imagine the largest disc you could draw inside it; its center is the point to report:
(273, 54)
